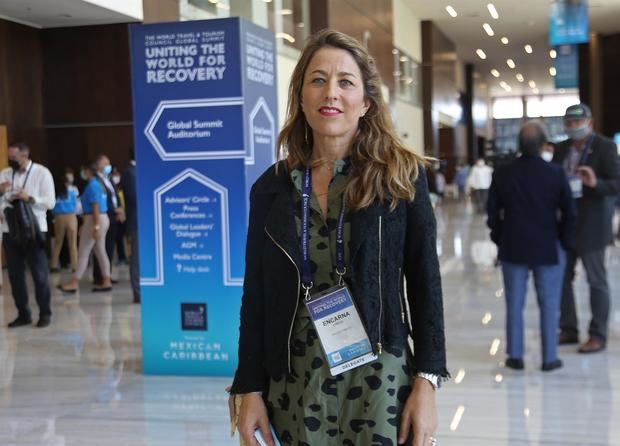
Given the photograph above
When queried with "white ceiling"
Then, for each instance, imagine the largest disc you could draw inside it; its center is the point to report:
(62, 13)
(523, 22)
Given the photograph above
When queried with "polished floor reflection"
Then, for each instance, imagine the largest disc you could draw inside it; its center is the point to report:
(79, 382)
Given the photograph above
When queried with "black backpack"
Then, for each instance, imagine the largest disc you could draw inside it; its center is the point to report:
(23, 225)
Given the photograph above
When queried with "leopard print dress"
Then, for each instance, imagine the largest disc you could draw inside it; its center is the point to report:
(310, 407)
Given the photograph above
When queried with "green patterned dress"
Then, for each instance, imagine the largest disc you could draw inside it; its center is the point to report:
(309, 406)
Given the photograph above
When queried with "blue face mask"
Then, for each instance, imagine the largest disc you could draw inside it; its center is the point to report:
(107, 170)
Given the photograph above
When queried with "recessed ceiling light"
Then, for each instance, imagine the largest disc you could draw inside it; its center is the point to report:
(481, 54)
(488, 29)
(451, 11)
(528, 48)
(505, 86)
(394, 51)
(404, 58)
(520, 77)
(552, 71)
(286, 12)
(285, 36)
(301, 25)
(553, 54)
(510, 63)
(493, 11)
(213, 1)
(536, 90)
(494, 72)
(505, 40)
(532, 84)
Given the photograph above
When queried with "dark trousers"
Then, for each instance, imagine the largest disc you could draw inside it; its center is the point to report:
(134, 265)
(35, 256)
(596, 273)
(480, 200)
(110, 245)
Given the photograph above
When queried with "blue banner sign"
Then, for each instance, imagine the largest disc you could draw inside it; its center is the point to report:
(204, 98)
(567, 67)
(568, 22)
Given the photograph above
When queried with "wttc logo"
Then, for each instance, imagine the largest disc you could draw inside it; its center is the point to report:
(194, 316)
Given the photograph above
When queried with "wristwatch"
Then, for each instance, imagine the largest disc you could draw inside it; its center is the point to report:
(431, 378)
(96, 227)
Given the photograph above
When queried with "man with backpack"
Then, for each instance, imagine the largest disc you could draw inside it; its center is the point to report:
(27, 193)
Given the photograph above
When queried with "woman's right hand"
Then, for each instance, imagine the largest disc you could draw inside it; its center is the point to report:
(252, 416)
(95, 234)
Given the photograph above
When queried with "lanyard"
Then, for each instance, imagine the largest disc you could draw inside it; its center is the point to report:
(586, 152)
(341, 268)
(25, 179)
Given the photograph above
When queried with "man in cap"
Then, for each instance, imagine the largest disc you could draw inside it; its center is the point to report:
(592, 165)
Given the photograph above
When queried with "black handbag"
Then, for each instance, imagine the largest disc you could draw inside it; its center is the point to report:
(23, 225)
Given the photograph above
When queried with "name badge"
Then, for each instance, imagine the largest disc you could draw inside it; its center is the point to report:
(342, 335)
(576, 186)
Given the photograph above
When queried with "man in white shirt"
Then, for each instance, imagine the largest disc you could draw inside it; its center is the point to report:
(30, 182)
(479, 182)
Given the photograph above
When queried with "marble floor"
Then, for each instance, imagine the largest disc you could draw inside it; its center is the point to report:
(79, 381)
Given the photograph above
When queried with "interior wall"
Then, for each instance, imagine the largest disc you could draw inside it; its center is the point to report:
(21, 87)
(87, 95)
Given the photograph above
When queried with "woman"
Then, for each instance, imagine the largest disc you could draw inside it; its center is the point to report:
(92, 232)
(65, 221)
(341, 150)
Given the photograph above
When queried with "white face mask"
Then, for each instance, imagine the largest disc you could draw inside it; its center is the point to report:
(69, 177)
(547, 156)
(116, 179)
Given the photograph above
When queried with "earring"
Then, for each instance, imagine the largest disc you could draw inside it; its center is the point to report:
(306, 132)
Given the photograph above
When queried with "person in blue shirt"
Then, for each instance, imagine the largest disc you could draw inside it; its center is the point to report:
(65, 222)
(93, 231)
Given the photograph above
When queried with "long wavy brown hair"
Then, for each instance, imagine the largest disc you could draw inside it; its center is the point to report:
(381, 166)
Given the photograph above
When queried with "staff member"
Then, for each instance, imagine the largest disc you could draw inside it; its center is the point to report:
(93, 231)
(358, 200)
(592, 164)
(33, 183)
(65, 223)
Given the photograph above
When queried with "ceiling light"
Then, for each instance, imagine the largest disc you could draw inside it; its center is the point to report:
(520, 77)
(301, 25)
(488, 29)
(404, 58)
(535, 90)
(505, 40)
(552, 71)
(481, 54)
(532, 84)
(493, 11)
(451, 11)
(394, 51)
(506, 87)
(553, 54)
(213, 1)
(528, 49)
(286, 12)
(494, 72)
(510, 63)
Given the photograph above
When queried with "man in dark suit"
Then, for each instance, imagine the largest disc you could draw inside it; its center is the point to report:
(592, 164)
(128, 184)
(531, 215)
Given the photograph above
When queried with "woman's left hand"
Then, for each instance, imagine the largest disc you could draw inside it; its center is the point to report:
(419, 414)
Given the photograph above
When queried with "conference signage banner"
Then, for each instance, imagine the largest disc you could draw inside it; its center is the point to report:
(205, 125)
(568, 22)
(567, 67)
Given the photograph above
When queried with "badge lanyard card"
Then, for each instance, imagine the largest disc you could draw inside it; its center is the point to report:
(333, 312)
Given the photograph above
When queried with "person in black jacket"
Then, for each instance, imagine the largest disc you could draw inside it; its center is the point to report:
(343, 155)
(525, 200)
(592, 164)
(128, 184)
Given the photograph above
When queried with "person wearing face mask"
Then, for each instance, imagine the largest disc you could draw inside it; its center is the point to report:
(33, 183)
(93, 231)
(65, 222)
(115, 178)
(547, 151)
(592, 165)
(525, 199)
(115, 214)
(479, 182)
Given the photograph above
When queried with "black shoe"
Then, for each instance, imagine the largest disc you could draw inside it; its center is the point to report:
(54, 270)
(549, 366)
(566, 338)
(114, 281)
(44, 321)
(20, 321)
(514, 363)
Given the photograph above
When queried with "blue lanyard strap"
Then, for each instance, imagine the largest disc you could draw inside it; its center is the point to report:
(305, 236)
(586, 151)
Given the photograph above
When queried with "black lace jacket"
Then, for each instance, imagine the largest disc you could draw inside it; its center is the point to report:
(387, 249)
